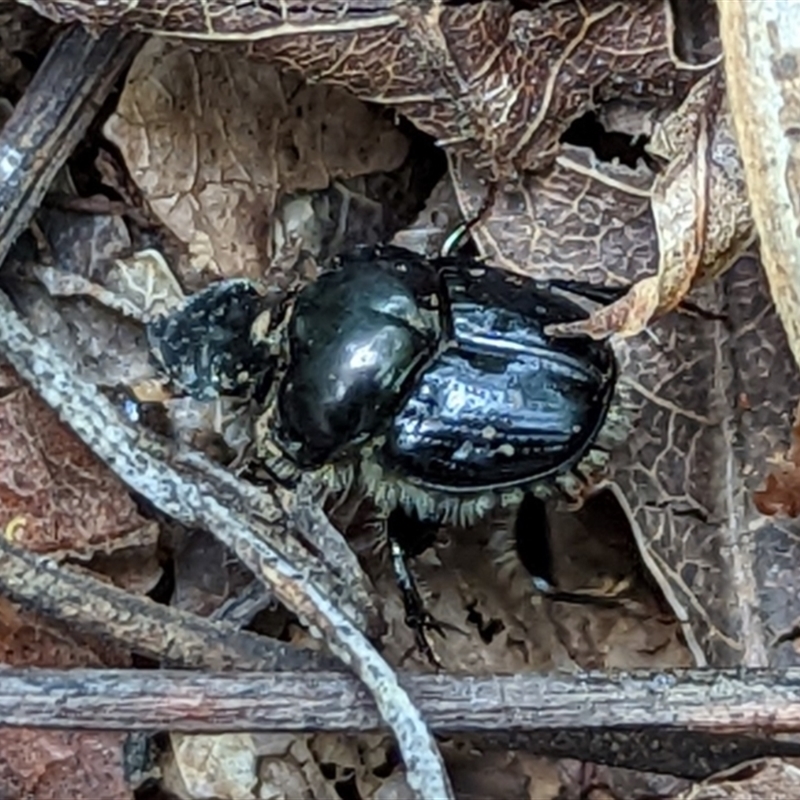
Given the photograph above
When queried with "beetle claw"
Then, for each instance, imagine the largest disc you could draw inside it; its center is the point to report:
(417, 617)
(421, 623)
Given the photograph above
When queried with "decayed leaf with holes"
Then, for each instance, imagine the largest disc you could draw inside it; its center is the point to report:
(55, 496)
(700, 208)
(214, 179)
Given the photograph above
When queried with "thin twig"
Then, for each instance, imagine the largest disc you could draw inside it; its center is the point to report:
(47, 124)
(758, 701)
(147, 628)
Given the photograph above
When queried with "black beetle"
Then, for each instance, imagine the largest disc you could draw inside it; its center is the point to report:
(435, 379)
(431, 383)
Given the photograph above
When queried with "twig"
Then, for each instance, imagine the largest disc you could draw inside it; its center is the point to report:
(47, 125)
(689, 722)
(761, 40)
(201, 496)
(147, 628)
(716, 701)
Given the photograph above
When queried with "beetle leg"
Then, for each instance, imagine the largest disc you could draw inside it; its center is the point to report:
(532, 540)
(417, 617)
(409, 536)
(532, 536)
(456, 236)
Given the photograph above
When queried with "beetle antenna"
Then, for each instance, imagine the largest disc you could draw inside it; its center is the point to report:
(455, 238)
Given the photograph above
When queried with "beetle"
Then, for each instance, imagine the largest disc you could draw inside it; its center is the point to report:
(431, 383)
(435, 382)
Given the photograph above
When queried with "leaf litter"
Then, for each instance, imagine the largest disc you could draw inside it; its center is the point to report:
(245, 166)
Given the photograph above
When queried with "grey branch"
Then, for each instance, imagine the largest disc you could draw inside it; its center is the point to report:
(168, 634)
(691, 723)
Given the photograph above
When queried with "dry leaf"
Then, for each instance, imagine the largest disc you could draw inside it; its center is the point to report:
(781, 495)
(761, 780)
(700, 209)
(582, 781)
(55, 497)
(494, 82)
(213, 141)
(218, 767)
(53, 765)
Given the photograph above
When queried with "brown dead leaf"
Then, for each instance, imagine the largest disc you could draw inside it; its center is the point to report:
(495, 83)
(206, 573)
(214, 179)
(587, 781)
(53, 765)
(768, 779)
(55, 497)
(27, 640)
(781, 495)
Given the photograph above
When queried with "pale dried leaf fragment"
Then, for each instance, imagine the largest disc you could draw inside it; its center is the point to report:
(213, 141)
(767, 779)
(222, 767)
(700, 208)
(140, 286)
